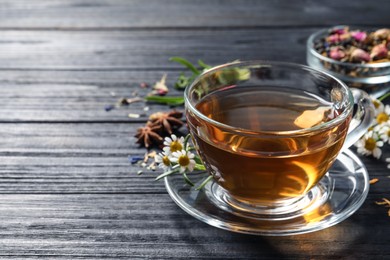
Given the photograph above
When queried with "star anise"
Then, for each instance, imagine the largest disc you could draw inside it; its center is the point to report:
(167, 120)
(148, 135)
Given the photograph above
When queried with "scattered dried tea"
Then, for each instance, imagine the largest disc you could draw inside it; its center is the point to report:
(385, 202)
(373, 181)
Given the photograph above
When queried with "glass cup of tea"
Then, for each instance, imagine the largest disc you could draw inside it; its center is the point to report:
(268, 132)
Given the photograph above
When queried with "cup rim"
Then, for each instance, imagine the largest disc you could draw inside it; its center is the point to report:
(310, 47)
(302, 131)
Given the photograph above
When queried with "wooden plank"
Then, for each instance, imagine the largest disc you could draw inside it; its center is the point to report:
(67, 102)
(81, 14)
(146, 49)
(92, 158)
(152, 226)
(72, 158)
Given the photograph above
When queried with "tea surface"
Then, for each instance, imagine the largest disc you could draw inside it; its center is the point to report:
(257, 109)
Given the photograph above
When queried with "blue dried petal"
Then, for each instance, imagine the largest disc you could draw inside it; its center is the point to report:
(109, 107)
(135, 159)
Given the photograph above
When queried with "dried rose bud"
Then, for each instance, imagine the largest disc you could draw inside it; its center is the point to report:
(160, 88)
(359, 55)
(345, 36)
(336, 53)
(359, 36)
(339, 30)
(382, 33)
(379, 52)
(333, 38)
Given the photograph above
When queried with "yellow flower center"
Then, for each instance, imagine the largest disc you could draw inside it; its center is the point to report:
(370, 144)
(376, 103)
(388, 133)
(166, 161)
(175, 146)
(184, 160)
(382, 117)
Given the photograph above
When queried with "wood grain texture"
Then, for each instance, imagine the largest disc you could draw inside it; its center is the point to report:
(86, 14)
(74, 103)
(151, 226)
(67, 188)
(146, 49)
(92, 158)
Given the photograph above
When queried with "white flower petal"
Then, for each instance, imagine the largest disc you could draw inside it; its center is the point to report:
(377, 153)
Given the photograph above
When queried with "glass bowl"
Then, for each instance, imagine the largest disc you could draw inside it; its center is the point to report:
(374, 78)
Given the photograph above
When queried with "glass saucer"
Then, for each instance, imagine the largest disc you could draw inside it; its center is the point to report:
(339, 194)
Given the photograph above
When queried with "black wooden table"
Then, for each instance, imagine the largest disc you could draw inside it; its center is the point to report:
(67, 188)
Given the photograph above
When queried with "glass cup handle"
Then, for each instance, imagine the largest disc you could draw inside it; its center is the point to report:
(362, 119)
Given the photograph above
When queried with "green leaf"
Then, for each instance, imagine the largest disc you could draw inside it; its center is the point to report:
(186, 63)
(197, 159)
(200, 167)
(168, 100)
(384, 96)
(182, 82)
(203, 65)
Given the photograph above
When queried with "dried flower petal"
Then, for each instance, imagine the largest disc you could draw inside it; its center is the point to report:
(337, 53)
(339, 30)
(359, 55)
(333, 38)
(373, 181)
(359, 36)
(160, 88)
(382, 33)
(379, 52)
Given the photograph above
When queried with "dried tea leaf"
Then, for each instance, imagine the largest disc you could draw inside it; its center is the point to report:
(384, 202)
(375, 180)
(132, 115)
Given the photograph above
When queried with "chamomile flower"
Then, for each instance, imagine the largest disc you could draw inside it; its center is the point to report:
(173, 144)
(184, 159)
(388, 160)
(384, 132)
(370, 144)
(379, 106)
(163, 161)
(384, 116)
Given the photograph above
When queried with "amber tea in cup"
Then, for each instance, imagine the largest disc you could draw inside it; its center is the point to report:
(268, 132)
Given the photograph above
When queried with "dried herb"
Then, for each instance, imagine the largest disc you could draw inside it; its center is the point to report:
(355, 46)
(373, 181)
(160, 124)
(167, 120)
(385, 202)
(166, 100)
(160, 88)
(148, 135)
(183, 80)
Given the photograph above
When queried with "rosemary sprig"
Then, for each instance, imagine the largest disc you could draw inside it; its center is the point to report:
(166, 100)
